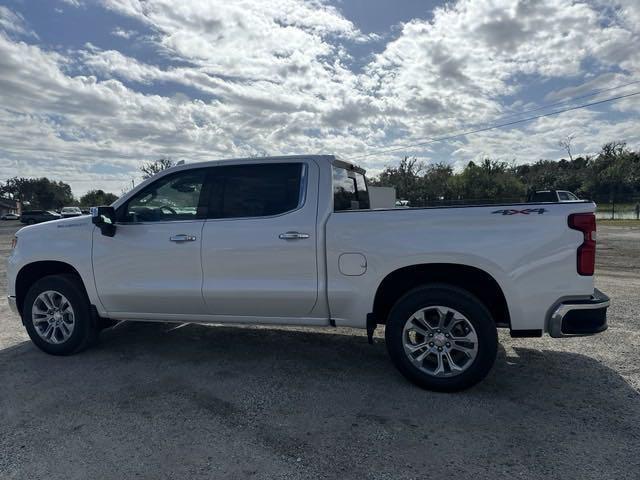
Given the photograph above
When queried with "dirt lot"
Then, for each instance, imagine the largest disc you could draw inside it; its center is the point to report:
(152, 401)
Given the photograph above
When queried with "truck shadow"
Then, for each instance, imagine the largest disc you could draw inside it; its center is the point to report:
(284, 392)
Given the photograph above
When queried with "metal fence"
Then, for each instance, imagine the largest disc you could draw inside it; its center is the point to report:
(626, 210)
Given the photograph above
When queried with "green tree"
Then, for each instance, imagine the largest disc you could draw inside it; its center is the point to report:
(38, 193)
(490, 180)
(561, 175)
(149, 169)
(614, 174)
(95, 198)
(439, 183)
(405, 178)
(611, 175)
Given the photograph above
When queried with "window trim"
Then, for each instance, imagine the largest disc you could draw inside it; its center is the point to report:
(203, 190)
(205, 193)
(302, 197)
(366, 187)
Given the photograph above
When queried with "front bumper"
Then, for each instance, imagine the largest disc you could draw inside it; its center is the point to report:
(13, 305)
(580, 317)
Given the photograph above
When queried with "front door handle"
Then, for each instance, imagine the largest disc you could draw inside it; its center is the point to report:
(182, 238)
(293, 236)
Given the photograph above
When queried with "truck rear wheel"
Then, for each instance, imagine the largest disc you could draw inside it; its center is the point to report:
(57, 315)
(441, 338)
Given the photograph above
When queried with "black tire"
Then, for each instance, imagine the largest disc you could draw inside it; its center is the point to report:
(85, 331)
(455, 298)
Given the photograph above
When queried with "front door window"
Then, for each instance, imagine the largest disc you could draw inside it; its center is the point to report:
(170, 198)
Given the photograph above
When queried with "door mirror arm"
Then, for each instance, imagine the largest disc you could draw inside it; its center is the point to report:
(105, 219)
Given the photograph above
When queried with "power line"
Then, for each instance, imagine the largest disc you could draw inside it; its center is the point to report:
(493, 127)
(554, 104)
(569, 100)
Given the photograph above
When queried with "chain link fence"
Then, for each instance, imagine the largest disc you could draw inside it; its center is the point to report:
(627, 209)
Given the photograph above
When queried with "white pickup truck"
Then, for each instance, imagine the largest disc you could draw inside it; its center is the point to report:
(292, 241)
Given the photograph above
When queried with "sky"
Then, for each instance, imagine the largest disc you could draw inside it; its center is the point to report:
(90, 89)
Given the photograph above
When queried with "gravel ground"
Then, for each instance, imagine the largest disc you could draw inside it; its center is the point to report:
(154, 401)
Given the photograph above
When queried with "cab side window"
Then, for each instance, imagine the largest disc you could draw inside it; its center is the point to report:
(349, 190)
(170, 198)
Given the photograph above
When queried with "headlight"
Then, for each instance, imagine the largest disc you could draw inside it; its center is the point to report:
(14, 242)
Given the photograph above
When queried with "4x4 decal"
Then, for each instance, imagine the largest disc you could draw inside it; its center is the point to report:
(526, 211)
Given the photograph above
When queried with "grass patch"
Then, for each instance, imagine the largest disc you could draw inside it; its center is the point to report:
(619, 223)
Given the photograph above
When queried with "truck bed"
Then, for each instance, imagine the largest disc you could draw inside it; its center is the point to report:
(527, 248)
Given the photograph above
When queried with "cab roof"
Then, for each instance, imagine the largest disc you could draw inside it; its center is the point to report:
(333, 159)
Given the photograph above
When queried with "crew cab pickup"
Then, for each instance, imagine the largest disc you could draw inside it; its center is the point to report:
(292, 241)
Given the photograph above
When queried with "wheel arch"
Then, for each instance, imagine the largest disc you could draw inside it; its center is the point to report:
(34, 271)
(472, 279)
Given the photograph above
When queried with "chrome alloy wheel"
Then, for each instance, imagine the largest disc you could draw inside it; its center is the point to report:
(440, 341)
(52, 316)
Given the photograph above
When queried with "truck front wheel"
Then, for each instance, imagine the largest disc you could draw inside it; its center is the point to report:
(441, 337)
(57, 315)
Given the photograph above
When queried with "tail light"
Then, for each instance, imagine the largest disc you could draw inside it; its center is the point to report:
(586, 223)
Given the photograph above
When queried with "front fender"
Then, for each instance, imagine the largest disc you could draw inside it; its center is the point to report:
(67, 241)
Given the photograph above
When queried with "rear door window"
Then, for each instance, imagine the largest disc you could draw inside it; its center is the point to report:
(256, 190)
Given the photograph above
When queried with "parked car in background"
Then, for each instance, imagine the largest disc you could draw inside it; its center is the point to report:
(38, 216)
(10, 216)
(68, 212)
(552, 196)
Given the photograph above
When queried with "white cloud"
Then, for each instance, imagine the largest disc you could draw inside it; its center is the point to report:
(274, 78)
(73, 3)
(14, 23)
(473, 53)
(122, 33)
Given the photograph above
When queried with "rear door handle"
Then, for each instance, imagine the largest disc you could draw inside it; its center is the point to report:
(293, 236)
(182, 238)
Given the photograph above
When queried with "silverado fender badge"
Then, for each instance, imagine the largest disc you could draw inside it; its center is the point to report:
(526, 211)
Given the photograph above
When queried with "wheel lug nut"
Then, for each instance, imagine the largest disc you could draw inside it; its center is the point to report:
(431, 334)
(446, 335)
(431, 344)
(439, 349)
(448, 344)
